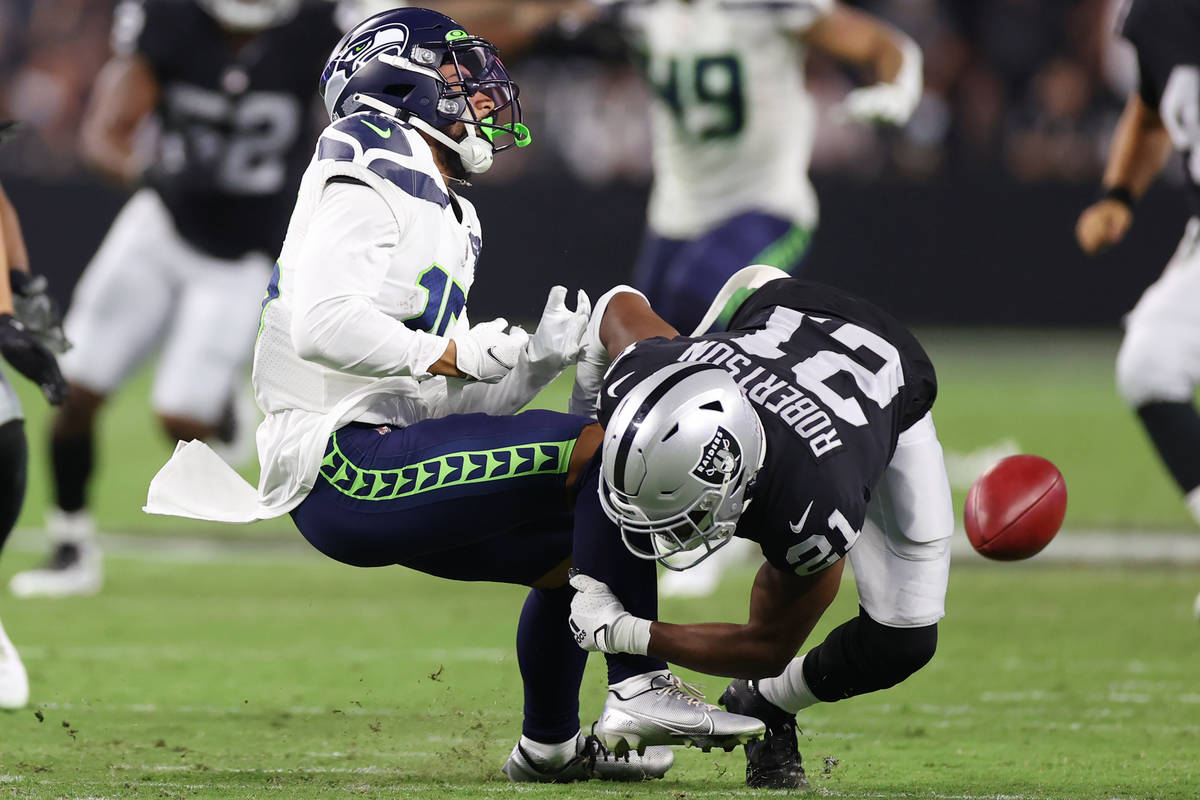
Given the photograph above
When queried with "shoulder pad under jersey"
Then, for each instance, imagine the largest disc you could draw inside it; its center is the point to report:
(387, 148)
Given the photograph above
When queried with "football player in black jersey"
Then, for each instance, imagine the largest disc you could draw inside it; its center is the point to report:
(183, 268)
(805, 427)
(1158, 366)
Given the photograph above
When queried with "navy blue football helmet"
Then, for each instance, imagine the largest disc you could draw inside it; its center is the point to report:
(423, 68)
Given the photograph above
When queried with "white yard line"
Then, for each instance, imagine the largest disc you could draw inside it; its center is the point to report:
(253, 709)
(176, 652)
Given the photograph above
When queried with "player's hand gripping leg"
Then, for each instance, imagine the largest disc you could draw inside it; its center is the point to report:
(620, 317)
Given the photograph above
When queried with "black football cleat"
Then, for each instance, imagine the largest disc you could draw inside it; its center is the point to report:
(772, 762)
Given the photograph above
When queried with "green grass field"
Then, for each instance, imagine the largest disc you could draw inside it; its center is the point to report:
(253, 667)
(297, 677)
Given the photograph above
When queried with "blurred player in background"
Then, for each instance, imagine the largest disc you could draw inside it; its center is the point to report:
(229, 85)
(28, 322)
(733, 131)
(733, 128)
(1158, 366)
(805, 428)
(391, 434)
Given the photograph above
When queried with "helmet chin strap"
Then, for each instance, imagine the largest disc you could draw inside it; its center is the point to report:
(474, 151)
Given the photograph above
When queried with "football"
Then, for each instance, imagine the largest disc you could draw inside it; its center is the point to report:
(1014, 508)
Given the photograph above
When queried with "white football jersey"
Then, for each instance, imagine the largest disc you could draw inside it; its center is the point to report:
(398, 263)
(732, 121)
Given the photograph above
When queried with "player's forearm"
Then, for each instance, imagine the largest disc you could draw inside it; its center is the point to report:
(350, 335)
(126, 91)
(111, 154)
(725, 649)
(1139, 150)
(14, 242)
(6, 299)
(854, 37)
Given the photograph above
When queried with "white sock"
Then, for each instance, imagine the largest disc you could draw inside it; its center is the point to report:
(1192, 499)
(70, 527)
(789, 690)
(638, 683)
(551, 755)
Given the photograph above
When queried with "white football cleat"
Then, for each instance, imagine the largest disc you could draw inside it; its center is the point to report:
(74, 567)
(591, 760)
(740, 285)
(664, 710)
(14, 682)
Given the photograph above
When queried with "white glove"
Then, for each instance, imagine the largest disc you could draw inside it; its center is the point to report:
(892, 103)
(558, 340)
(486, 353)
(600, 622)
(594, 360)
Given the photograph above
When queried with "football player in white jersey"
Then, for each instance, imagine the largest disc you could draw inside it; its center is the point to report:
(26, 316)
(733, 127)
(390, 433)
(733, 131)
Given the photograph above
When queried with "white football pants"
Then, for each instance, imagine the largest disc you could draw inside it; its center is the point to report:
(147, 288)
(901, 561)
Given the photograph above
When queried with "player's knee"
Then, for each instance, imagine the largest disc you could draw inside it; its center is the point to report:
(899, 652)
(1148, 372)
(181, 429)
(77, 414)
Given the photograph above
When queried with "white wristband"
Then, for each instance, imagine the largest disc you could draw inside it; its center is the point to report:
(628, 634)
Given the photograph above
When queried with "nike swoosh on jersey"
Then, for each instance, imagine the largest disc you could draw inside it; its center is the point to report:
(613, 386)
(799, 526)
(496, 358)
(384, 133)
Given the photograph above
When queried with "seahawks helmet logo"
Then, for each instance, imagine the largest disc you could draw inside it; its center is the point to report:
(374, 42)
(721, 457)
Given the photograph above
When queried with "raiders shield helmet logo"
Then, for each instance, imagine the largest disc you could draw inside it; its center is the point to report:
(721, 458)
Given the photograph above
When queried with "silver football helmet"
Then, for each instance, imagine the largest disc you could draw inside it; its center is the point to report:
(249, 16)
(679, 452)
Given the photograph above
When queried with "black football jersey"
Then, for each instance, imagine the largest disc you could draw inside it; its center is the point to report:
(834, 380)
(1166, 35)
(237, 120)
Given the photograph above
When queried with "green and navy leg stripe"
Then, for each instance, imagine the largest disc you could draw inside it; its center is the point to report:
(442, 472)
(786, 251)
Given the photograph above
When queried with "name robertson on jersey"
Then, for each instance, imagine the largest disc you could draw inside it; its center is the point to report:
(772, 393)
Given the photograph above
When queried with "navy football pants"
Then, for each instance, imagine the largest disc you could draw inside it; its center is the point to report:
(681, 277)
(474, 497)
(470, 496)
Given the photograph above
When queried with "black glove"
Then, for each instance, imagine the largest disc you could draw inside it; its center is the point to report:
(37, 310)
(32, 359)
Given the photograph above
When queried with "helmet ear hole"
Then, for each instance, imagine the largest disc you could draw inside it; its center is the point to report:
(674, 430)
(715, 405)
(398, 90)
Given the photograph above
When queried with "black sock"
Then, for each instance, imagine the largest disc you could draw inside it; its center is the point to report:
(551, 666)
(14, 456)
(863, 655)
(72, 461)
(1175, 430)
(600, 553)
